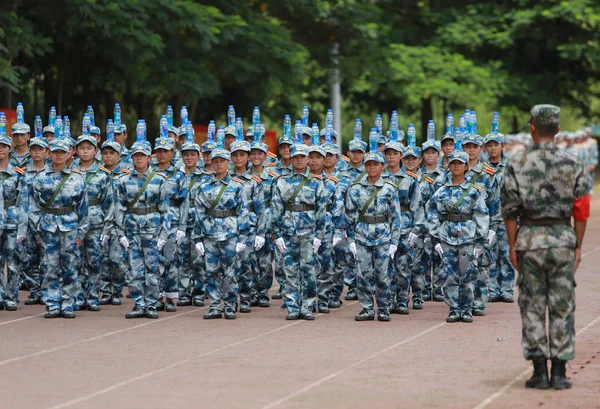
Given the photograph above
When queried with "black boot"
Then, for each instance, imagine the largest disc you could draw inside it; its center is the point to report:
(558, 378)
(539, 380)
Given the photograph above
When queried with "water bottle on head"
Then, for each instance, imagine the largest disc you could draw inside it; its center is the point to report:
(117, 115)
(169, 115)
(20, 113)
(52, 116)
(38, 126)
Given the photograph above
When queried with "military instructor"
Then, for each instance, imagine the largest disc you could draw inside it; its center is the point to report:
(543, 189)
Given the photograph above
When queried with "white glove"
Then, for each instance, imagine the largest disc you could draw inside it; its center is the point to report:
(179, 237)
(104, 239)
(240, 247)
(438, 248)
(336, 241)
(427, 240)
(160, 244)
(259, 242)
(491, 236)
(280, 245)
(316, 245)
(20, 238)
(352, 248)
(412, 238)
(393, 250)
(477, 251)
(124, 242)
(200, 248)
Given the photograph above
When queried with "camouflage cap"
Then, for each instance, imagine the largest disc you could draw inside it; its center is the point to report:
(59, 145)
(20, 129)
(412, 151)
(324, 131)
(120, 128)
(285, 140)
(141, 147)
(5, 140)
(48, 128)
(374, 156)
(298, 149)
(447, 137)
(459, 156)
(317, 148)
(494, 137)
(356, 145)
(243, 146)
(38, 142)
(86, 138)
(261, 146)
(190, 146)
(430, 145)
(208, 147)
(230, 130)
(173, 129)
(306, 131)
(330, 148)
(220, 153)
(545, 114)
(474, 139)
(115, 146)
(397, 146)
(94, 130)
(164, 143)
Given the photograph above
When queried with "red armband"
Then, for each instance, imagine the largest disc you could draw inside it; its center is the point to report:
(581, 208)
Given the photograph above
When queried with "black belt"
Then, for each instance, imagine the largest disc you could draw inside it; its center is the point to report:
(94, 202)
(9, 203)
(59, 212)
(372, 219)
(545, 221)
(456, 217)
(174, 202)
(404, 208)
(267, 203)
(141, 211)
(299, 207)
(251, 208)
(221, 213)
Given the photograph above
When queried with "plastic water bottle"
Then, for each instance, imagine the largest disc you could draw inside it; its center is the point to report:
(2, 123)
(458, 139)
(110, 131)
(20, 113)
(305, 114)
(395, 116)
(378, 123)
(496, 122)
(90, 111)
(164, 126)
(85, 124)
(358, 130)
(314, 130)
(184, 115)
(411, 135)
(373, 140)
(298, 131)
(255, 116)
(287, 126)
(144, 128)
(52, 116)
(256, 132)
(462, 124)
(450, 124)
(473, 129)
(329, 116)
(394, 129)
(431, 131)
(58, 127)
(189, 132)
(117, 115)
(239, 127)
(66, 127)
(329, 132)
(37, 125)
(220, 137)
(139, 131)
(230, 116)
(169, 115)
(210, 136)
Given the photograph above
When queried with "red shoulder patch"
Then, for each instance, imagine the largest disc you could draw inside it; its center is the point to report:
(125, 171)
(414, 175)
(77, 171)
(478, 188)
(429, 180)
(273, 164)
(238, 180)
(104, 169)
(272, 155)
(345, 158)
(275, 175)
(488, 170)
(19, 170)
(316, 176)
(336, 180)
(257, 178)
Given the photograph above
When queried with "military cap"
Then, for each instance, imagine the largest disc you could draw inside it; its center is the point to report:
(173, 129)
(494, 137)
(324, 131)
(220, 153)
(141, 147)
(395, 145)
(190, 146)
(164, 143)
(459, 156)
(545, 115)
(38, 142)
(95, 130)
(331, 148)
(208, 147)
(412, 151)
(317, 148)
(181, 130)
(5, 140)
(243, 146)
(59, 145)
(298, 149)
(356, 145)
(285, 139)
(86, 138)
(447, 136)
(120, 128)
(230, 130)
(430, 145)
(474, 139)
(20, 129)
(261, 146)
(111, 144)
(382, 139)
(306, 131)
(72, 142)
(374, 156)
(48, 128)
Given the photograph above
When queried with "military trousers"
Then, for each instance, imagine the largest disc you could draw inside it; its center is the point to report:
(191, 272)
(373, 277)
(547, 286)
(29, 256)
(263, 279)
(59, 266)
(480, 295)
(221, 274)
(9, 292)
(342, 262)
(431, 264)
(407, 273)
(502, 273)
(144, 274)
(115, 269)
(460, 270)
(300, 285)
(170, 261)
(92, 256)
(325, 269)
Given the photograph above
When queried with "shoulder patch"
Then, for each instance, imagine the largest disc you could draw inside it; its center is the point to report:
(161, 174)
(487, 165)
(414, 175)
(488, 170)
(77, 171)
(275, 175)
(272, 155)
(336, 180)
(104, 169)
(270, 164)
(345, 158)
(316, 177)
(391, 183)
(125, 171)
(19, 170)
(237, 180)
(153, 155)
(257, 178)
(206, 173)
(429, 180)
(478, 188)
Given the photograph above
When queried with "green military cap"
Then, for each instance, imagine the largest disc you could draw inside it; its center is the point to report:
(545, 114)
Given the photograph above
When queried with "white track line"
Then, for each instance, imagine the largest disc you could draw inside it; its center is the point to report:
(21, 319)
(176, 364)
(590, 252)
(334, 374)
(107, 334)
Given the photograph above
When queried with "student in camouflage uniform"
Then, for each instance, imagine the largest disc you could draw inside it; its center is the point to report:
(14, 191)
(30, 251)
(20, 156)
(100, 202)
(220, 233)
(457, 217)
(120, 135)
(543, 188)
(143, 224)
(373, 221)
(59, 212)
(298, 207)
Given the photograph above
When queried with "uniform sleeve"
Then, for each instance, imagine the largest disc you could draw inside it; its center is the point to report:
(321, 209)
(416, 208)
(510, 194)
(22, 206)
(165, 213)
(433, 216)
(482, 220)
(277, 210)
(198, 233)
(81, 208)
(2, 212)
(582, 182)
(351, 215)
(260, 209)
(108, 207)
(35, 209)
(184, 205)
(394, 219)
(120, 206)
(243, 219)
(337, 210)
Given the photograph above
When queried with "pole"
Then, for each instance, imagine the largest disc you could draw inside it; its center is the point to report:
(336, 93)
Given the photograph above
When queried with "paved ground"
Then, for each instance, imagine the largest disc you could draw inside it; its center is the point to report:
(101, 360)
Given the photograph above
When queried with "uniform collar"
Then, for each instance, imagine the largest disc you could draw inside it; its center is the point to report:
(145, 174)
(305, 173)
(379, 183)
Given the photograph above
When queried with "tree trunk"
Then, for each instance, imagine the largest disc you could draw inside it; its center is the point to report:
(61, 84)
(515, 125)
(426, 115)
